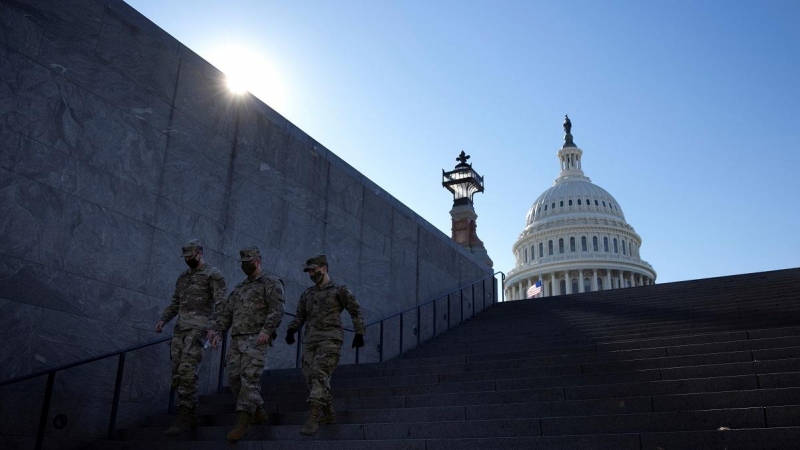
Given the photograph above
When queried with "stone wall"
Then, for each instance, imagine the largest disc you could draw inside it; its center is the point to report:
(117, 144)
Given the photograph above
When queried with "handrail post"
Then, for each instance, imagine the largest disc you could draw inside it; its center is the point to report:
(473, 302)
(448, 311)
(297, 350)
(419, 325)
(223, 349)
(112, 424)
(483, 294)
(434, 320)
(48, 394)
(461, 296)
(400, 355)
(380, 350)
(171, 404)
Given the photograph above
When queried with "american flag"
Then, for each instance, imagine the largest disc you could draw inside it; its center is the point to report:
(535, 289)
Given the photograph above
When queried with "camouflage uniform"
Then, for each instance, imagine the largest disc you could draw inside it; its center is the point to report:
(197, 291)
(320, 309)
(255, 305)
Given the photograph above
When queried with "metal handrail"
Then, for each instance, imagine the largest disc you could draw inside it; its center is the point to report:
(121, 353)
(417, 308)
(51, 376)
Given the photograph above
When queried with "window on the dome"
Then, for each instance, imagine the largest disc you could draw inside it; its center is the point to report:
(588, 203)
(595, 203)
(583, 243)
(563, 286)
(526, 255)
(579, 202)
(545, 207)
(560, 245)
(574, 285)
(572, 244)
(605, 244)
(604, 203)
(623, 248)
(561, 204)
(550, 247)
(594, 243)
(616, 249)
(570, 203)
(541, 249)
(533, 255)
(553, 206)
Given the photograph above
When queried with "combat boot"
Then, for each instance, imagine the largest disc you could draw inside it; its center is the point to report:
(241, 428)
(182, 423)
(312, 425)
(259, 417)
(328, 414)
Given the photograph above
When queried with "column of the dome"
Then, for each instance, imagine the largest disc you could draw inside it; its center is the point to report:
(580, 281)
(633, 282)
(608, 279)
(556, 284)
(568, 281)
(594, 280)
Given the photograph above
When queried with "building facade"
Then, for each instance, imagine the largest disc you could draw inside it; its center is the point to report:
(576, 238)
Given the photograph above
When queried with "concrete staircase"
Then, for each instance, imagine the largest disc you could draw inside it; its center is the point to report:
(705, 364)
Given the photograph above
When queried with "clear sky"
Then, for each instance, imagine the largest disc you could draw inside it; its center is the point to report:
(688, 111)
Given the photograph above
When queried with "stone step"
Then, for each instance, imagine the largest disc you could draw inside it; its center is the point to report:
(779, 438)
(223, 415)
(531, 367)
(636, 384)
(663, 369)
(738, 418)
(529, 333)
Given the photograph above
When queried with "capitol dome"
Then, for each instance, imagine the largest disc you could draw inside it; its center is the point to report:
(576, 238)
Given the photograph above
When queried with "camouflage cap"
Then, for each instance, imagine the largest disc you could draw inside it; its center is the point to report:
(317, 261)
(191, 247)
(249, 254)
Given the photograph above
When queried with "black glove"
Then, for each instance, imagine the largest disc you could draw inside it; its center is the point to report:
(358, 341)
(290, 336)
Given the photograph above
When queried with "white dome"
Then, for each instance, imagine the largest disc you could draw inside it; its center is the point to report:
(573, 198)
(576, 238)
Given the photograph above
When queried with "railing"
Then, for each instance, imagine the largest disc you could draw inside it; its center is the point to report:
(51, 373)
(459, 292)
(51, 377)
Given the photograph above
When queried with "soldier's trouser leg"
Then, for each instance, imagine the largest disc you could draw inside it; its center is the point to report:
(319, 361)
(245, 364)
(185, 355)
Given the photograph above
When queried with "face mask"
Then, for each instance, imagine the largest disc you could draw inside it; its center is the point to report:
(317, 277)
(193, 263)
(248, 268)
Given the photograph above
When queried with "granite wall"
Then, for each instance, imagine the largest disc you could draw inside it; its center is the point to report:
(117, 144)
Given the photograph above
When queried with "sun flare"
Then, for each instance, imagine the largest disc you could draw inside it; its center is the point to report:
(247, 70)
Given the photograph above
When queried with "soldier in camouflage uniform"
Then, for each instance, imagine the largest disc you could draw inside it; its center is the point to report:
(198, 290)
(320, 308)
(253, 312)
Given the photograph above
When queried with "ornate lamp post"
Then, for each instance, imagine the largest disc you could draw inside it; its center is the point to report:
(464, 182)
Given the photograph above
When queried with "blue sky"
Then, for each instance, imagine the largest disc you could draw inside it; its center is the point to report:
(687, 111)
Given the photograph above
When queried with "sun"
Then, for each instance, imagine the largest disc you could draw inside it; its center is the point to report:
(249, 70)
